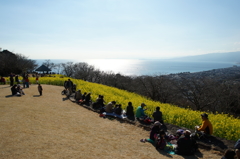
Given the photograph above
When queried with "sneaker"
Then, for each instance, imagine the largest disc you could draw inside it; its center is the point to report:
(142, 140)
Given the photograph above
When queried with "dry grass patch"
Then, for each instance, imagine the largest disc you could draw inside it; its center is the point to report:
(50, 126)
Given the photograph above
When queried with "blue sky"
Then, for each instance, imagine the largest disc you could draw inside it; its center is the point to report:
(131, 29)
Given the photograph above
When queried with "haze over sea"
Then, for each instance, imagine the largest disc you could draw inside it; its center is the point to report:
(149, 67)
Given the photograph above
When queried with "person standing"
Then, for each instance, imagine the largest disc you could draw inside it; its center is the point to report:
(27, 82)
(37, 79)
(16, 79)
(69, 86)
(40, 89)
(11, 79)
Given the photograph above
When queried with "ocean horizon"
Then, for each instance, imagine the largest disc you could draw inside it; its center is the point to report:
(139, 67)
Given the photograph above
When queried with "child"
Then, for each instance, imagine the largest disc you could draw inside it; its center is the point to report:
(40, 89)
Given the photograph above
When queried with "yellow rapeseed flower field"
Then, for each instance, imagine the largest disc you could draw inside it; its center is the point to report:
(224, 125)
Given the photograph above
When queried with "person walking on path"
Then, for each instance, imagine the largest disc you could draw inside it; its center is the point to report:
(37, 79)
(16, 79)
(69, 86)
(11, 79)
(40, 89)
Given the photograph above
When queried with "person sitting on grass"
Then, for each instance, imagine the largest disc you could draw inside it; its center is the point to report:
(20, 90)
(140, 115)
(185, 144)
(118, 109)
(87, 99)
(161, 140)
(229, 154)
(154, 131)
(109, 107)
(15, 91)
(84, 96)
(78, 95)
(157, 115)
(99, 102)
(129, 110)
(206, 126)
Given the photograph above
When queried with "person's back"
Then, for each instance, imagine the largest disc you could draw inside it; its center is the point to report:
(129, 109)
(185, 145)
(109, 107)
(88, 98)
(118, 110)
(78, 95)
(157, 115)
(84, 96)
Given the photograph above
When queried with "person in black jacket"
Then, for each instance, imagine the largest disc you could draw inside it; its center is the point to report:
(129, 111)
(87, 99)
(185, 144)
(15, 91)
(157, 115)
(118, 109)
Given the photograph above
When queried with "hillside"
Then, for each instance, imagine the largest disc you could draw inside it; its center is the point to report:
(214, 57)
(51, 126)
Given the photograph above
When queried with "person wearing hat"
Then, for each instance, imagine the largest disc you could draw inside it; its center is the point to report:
(185, 144)
(140, 115)
(206, 125)
(20, 90)
(154, 131)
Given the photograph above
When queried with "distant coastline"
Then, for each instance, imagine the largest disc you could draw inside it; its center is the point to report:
(149, 67)
(190, 64)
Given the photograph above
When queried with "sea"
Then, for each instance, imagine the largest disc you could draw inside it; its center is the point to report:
(138, 67)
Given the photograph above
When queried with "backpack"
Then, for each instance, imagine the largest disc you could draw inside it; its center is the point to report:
(237, 145)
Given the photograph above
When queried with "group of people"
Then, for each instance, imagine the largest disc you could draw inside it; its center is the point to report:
(16, 88)
(184, 140)
(181, 142)
(15, 79)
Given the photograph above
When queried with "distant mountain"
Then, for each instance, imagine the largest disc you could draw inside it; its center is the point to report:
(214, 57)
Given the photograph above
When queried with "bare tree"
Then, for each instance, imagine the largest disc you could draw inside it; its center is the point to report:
(49, 64)
(68, 68)
(83, 71)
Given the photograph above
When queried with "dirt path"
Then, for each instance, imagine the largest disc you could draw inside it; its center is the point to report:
(50, 126)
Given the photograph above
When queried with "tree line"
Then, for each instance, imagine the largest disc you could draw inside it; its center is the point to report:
(198, 93)
(201, 93)
(15, 63)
